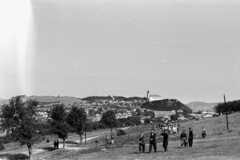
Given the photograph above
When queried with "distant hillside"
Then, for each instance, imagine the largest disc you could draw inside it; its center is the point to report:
(121, 98)
(167, 105)
(3, 101)
(201, 106)
(52, 99)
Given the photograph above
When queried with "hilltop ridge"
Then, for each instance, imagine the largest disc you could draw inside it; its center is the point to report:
(201, 106)
(167, 105)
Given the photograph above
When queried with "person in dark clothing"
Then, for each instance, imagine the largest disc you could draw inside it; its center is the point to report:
(141, 143)
(97, 141)
(107, 139)
(204, 132)
(165, 139)
(57, 143)
(153, 142)
(178, 127)
(190, 138)
(112, 139)
(183, 138)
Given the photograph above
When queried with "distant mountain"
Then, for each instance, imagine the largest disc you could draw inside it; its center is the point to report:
(167, 105)
(201, 106)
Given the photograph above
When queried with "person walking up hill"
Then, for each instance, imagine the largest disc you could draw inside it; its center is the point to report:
(165, 139)
(190, 137)
(183, 138)
(153, 142)
(204, 132)
(141, 143)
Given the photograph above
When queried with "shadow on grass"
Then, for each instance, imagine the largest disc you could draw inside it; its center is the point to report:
(71, 142)
(14, 156)
(48, 148)
(146, 152)
(137, 152)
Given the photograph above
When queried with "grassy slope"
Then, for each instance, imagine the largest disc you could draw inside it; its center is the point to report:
(201, 106)
(210, 148)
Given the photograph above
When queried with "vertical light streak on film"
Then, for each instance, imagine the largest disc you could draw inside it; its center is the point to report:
(16, 39)
(24, 20)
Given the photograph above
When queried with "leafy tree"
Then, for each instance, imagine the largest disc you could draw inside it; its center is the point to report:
(59, 124)
(230, 106)
(174, 117)
(109, 119)
(20, 121)
(135, 120)
(90, 112)
(150, 113)
(138, 112)
(76, 118)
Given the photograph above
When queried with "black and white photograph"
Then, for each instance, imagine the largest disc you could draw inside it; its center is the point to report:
(119, 79)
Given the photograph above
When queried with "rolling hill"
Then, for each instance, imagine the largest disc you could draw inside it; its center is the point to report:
(167, 105)
(47, 99)
(201, 106)
(52, 99)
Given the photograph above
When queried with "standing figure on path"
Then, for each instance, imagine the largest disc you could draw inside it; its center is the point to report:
(57, 143)
(112, 139)
(141, 143)
(204, 132)
(97, 141)
(106, 139)
(165, 139)
(178, 127)
(190, 137)
(174, 129)
(153, 142)
(183, 138)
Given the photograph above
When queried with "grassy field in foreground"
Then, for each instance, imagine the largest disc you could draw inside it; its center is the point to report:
(215, 149)
(220, 144)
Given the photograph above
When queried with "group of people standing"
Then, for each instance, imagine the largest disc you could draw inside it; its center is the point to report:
(107, 139)
(170, 127)
(56, 144)
(186, 140)
(153, 141)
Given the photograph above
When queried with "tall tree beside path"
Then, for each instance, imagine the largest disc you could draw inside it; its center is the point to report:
(109, 119)
(76, 118)
(58, 122)
(19, 120)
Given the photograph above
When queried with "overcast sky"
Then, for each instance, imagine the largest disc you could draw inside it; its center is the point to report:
(183, 49)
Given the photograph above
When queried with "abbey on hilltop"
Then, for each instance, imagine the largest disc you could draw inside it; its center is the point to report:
(152, 97)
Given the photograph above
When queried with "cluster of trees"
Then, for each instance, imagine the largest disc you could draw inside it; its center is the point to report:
(22, 124)
(129, 121)
(18, 120)
(231, 106)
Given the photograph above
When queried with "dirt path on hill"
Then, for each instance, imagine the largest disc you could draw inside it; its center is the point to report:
(45, 148)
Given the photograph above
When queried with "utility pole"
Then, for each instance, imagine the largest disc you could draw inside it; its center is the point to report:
(86, 129)
(226, 110)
